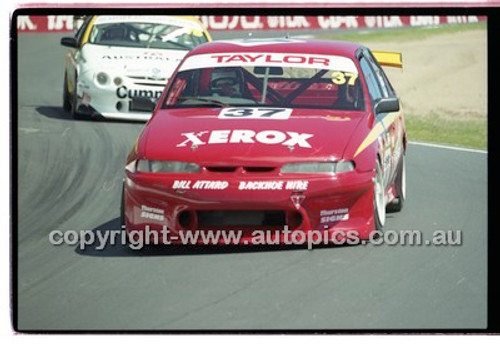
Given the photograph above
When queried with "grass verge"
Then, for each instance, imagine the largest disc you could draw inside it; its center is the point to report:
(468, 133)
(405, 34)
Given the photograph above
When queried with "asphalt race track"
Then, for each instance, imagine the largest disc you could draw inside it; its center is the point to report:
(69, 178)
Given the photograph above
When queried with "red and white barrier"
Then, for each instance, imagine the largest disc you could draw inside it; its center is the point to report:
(253, 23)
(44, 23)
(214, 23)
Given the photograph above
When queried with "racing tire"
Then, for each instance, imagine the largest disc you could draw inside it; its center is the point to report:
(74, 104)
(66, 95)
(398, 203)
(379, 212)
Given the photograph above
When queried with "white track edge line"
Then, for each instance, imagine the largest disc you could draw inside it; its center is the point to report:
(432, 145)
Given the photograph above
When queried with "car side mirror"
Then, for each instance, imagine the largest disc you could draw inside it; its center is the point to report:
(143, 103)
(387, 105)
(69, 42)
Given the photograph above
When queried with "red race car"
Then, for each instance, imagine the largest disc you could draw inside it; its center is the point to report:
(283, 135)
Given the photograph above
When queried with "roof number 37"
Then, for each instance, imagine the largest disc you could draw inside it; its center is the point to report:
(340, 78)
(255, 113)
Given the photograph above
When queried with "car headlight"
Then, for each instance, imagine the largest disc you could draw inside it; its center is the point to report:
(318, 167)
(102, 78)
(344, 166)
(167, 167)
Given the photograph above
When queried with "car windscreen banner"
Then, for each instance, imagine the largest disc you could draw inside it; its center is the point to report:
(275, 59)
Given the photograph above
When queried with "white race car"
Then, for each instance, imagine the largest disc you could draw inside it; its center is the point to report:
(117, 66)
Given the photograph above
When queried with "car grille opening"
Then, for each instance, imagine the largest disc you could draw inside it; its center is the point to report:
(221, 169)
(259, 169)
(142, 78)
(150, 84)
(242, 218)
(248, 169)
(294, 220)
(185, 219)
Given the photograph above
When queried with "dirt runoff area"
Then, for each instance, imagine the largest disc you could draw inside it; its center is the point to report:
(443, 75)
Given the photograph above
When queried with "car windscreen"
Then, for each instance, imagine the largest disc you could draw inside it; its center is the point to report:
(272, 85)
(146, 35)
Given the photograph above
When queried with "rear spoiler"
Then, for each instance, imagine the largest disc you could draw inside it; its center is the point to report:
(391, 59)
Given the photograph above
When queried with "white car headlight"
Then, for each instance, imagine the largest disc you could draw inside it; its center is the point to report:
(102, 78)
(147, 166)
(318, 167)
(118, 81)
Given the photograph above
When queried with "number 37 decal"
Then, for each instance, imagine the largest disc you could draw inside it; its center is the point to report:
(255, 113)
(340, 78)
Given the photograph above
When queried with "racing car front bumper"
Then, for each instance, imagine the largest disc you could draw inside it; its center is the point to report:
(115, 100)
(207, 202)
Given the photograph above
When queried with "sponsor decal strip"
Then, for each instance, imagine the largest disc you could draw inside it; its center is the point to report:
(152, 213)
(293, 185)
(270, 59)
(150, 56)
(288, 138)
(122, 93)
(171, 20)
(200, 185)
(377, 130)
(333, 215)
(272, 185)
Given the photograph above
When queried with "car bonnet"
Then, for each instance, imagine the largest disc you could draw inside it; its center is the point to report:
(208, 135)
